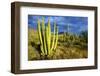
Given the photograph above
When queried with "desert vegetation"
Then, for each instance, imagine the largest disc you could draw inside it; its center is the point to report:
(44, 44)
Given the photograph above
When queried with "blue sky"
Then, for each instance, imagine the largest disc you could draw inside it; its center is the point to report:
(74, 23)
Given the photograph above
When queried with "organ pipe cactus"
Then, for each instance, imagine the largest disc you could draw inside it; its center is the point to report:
(48, 40)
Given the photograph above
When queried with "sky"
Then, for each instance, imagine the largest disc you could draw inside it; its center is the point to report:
(72, 24)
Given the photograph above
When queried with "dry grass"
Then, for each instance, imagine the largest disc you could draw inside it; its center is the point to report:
(62, 52)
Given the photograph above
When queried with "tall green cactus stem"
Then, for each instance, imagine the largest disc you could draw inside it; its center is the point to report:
(44, 36)
(40, 38)
(53, 39)
(49, 37)
(47, 44)
(56, 41)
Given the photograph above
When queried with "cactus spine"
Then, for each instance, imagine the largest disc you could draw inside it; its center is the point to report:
(47, 45)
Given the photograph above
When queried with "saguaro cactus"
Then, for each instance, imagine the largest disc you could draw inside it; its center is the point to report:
(47, 45)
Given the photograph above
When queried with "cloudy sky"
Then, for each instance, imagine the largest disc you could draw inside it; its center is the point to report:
(71, 24)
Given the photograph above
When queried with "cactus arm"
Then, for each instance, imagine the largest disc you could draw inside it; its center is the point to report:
(56, 41)
(46, 33)
(49, 36)
(40, 37)
(43, 36)
(53, 40)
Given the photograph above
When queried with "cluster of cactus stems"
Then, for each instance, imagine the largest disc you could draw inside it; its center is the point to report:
(48, 40)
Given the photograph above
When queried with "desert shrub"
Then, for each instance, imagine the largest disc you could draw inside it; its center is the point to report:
(84, 36)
